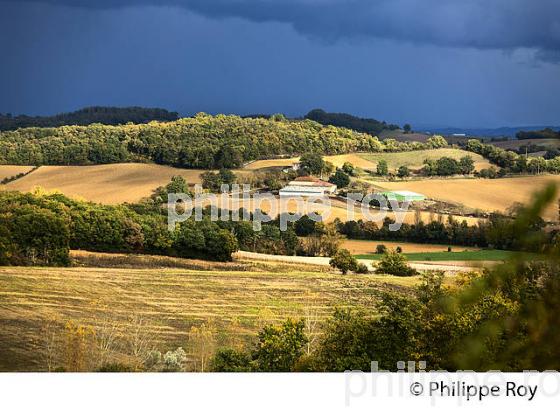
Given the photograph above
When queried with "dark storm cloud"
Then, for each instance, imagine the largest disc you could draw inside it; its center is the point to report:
(481, 24)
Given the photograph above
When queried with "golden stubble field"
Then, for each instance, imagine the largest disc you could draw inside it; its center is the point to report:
(7, 171)
(415, 159)
(484, 194)
(107, 184)
(364, 247)
(163, 307)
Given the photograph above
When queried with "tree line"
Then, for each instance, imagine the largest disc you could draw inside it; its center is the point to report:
(496, 232)
(547, 133)
(89, 115)
(512, 162)
(367, 125)
(40, 229)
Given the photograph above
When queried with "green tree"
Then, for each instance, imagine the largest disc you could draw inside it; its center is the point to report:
(227, 176)
(344, 261)
(312, 163)
(382, 168)
(466, 165)
(280, 347)
(407, 128)
(348, 168)
(394, 263)
(437, 141)
(446, 166)
(41, 236)
(403, 171)
(231, 360)
(340, 179)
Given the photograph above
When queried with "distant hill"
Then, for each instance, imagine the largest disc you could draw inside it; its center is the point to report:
(367, 125)
(89, 115)
(547, 133)
(509, 132)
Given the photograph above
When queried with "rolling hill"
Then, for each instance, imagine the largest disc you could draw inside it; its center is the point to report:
(107, 184)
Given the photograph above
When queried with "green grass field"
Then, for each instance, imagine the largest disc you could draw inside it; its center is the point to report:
(482, 255)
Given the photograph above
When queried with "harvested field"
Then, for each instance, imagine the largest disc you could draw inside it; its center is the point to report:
(415, 159)
(363, 247)
(162, 305)
(106, 184)
(271, 163)
(483, 194)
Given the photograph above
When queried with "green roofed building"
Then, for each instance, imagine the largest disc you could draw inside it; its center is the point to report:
(403, 196)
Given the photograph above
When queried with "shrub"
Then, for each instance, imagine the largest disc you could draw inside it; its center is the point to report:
(403, 171)
(380, 249)
(344, 261)
(115, 368)
(393, 263)
(362, 268)
(230, 360)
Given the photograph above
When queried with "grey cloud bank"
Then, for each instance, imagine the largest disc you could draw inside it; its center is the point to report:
(480, 24)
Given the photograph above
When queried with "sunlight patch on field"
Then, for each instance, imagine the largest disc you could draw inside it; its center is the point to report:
(415, 159)
(484, 194)
(106, 184)
(364, 247)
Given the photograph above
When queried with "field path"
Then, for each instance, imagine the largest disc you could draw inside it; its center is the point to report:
(324, 261)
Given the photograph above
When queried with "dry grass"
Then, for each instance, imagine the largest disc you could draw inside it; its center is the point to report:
(7, 171)
(484, 194)
(355, 159)
(169, 302)
(107, 184)
(415, 159)
(363, 247)
(271, 163)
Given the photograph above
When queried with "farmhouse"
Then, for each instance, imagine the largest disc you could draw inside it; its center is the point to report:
(308, 186)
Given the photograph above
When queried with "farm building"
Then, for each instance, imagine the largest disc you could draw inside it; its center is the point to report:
(308, 186)
(403, 196)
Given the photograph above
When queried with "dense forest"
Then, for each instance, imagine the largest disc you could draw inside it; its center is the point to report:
(367, 125)
(547, 133)
(40, 229)
(89, 115)
(203, 141)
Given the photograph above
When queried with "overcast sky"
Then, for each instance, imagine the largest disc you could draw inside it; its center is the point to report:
(428, 62)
